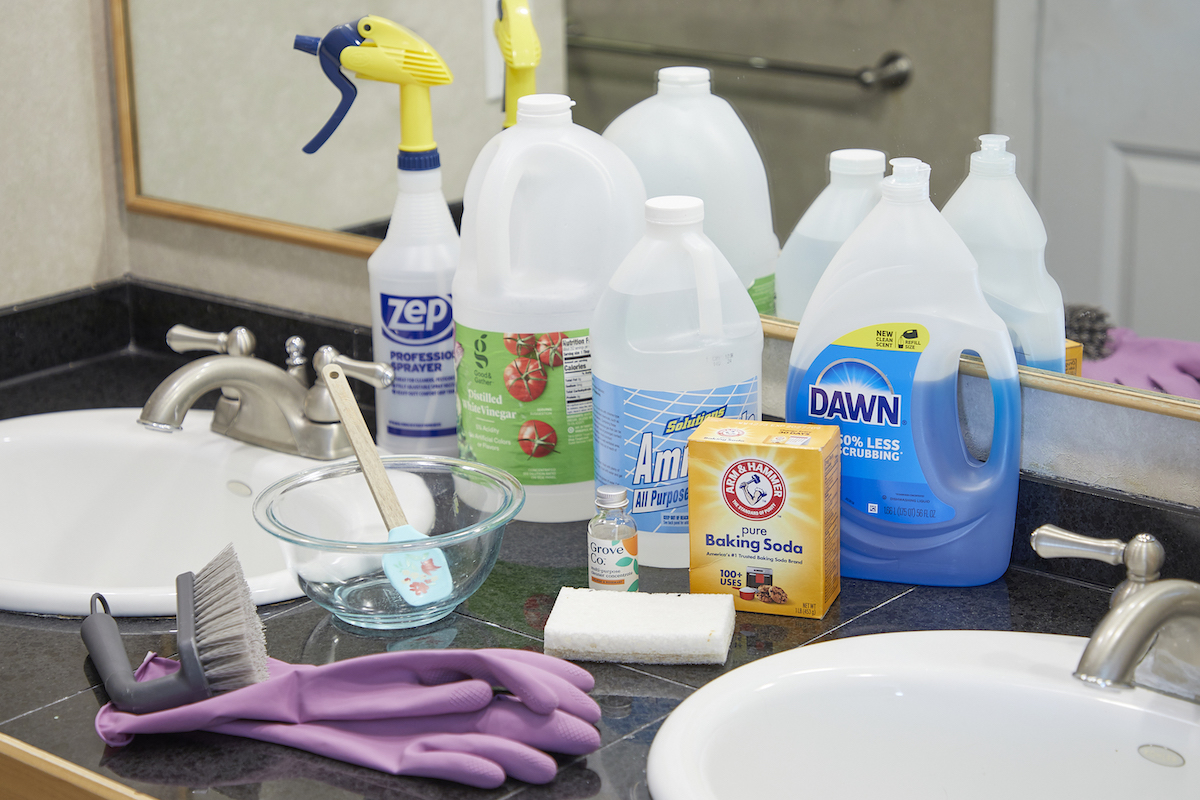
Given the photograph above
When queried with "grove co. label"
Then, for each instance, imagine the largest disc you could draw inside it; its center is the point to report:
(525, 403)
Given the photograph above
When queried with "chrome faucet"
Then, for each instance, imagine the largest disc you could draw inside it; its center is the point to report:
(1151, 634)
(260, 404)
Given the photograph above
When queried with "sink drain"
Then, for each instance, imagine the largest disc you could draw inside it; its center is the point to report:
(239, 488)
(1163, 756)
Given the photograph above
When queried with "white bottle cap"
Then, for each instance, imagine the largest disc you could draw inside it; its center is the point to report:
(543, 108)
(857, 162)
(675, 210)
(909, 180)
(691, 80)
(992, 157)
(610, 496)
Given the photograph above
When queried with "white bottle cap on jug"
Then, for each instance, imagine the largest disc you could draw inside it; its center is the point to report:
(992, 157)
(684, 79)
(857, 162)
(541, 108)
(675, 210)
(909, 180)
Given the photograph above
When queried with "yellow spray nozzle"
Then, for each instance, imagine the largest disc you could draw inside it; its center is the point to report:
(393, 54)
(522, 52)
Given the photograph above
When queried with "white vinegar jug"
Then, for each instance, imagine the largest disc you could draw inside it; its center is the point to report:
(995, 217)
(676, 340)
(687, 141)
(550, 209)
(853, 190)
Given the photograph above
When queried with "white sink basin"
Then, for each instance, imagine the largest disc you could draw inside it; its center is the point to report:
(94, 502)
(959, 714)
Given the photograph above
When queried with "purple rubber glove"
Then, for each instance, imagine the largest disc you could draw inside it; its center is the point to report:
(1162, 365)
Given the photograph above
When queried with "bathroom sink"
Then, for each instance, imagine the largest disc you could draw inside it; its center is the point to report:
(963, 714)
(95, 502)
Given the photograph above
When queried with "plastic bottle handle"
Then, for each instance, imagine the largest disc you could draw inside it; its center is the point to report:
(991, 350)
(496, 200)
(708, 288)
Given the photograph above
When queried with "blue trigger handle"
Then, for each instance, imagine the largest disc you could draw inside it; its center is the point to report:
(329, 51)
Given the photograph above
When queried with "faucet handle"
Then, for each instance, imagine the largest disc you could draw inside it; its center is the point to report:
(376, 373)
(238, 342)
(1142, 556)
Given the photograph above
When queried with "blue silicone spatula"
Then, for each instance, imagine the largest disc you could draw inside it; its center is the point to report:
(420, 576)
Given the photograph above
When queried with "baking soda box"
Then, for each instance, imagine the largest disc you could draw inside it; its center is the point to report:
(764, 514)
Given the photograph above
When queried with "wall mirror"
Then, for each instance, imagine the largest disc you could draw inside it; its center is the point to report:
(1103, 110)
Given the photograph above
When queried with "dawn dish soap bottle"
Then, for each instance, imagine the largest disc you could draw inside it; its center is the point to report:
(877, 353)
(410, 273)
(676, 340)
(853, 190)
(549, 211)
(995, 217)
(685, 140)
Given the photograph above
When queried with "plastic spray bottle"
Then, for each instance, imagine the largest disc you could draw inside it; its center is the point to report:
(687, 141)
(877, 353)
(853, 190)
(676, 340)
(995, 217)
(549, 211)
(410, 273)
(522, 52)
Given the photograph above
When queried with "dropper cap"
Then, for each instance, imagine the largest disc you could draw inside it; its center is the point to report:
(857, 162)
(544, 109)
(675, 210)
(909, 180)
(992, 157)
(684, 80)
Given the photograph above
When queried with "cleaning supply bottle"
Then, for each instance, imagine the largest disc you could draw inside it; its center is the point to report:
(522, 52)
(877, 353)
(687, 141)
(676, 340)
(612, 542)
(549, 211)
(995, 217)
(853, 190)
(410, 273)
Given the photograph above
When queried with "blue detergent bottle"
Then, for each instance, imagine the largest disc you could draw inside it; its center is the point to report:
(877, 353)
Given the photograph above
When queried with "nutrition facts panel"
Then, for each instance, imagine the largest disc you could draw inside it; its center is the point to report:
(577, 374)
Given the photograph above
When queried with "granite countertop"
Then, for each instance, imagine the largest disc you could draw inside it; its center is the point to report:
(51, 692)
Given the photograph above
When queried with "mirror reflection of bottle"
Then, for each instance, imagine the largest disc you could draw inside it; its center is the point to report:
(612, 543)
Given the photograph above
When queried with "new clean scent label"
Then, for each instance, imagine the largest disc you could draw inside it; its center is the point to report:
(764, 510)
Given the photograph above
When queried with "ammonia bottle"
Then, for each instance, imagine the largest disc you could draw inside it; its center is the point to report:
(995, 217)
(549, 211)
(676, 340)
(687, 141)
(877, 354)
(853, 190)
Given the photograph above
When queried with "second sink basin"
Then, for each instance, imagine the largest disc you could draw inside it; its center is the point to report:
(964, 714)
(94, 502)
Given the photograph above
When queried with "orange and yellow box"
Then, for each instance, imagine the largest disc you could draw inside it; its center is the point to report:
(763, 510)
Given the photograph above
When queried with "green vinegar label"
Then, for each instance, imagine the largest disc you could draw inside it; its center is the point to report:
(525, 403)
(762, 292)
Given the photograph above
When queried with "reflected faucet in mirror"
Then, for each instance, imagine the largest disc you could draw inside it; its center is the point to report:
(260, 403)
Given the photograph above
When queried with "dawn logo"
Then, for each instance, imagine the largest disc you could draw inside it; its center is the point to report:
(851, 390)
(416, 320)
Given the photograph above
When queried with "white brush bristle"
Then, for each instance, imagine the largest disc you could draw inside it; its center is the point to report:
(230, 639)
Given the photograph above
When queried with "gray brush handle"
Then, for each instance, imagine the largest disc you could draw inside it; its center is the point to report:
(103, 640)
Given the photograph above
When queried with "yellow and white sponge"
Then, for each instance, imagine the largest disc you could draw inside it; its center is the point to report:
(640, 628)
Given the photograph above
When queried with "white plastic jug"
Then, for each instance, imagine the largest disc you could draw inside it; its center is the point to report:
(877, 353)
(687, 141)
(995, 217)
(549, 211)
(676, 340)
(853, 190)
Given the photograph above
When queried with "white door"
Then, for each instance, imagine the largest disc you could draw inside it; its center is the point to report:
(1102, 100)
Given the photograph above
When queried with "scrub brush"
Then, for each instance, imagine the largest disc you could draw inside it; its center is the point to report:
(1089, 326)
(222, 645)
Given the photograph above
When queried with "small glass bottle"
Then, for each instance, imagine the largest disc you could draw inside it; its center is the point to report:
(612, 543)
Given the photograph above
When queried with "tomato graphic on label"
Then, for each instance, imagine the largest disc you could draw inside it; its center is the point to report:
(525, 379)
(549, 349)
(537, 438)
(521, 344)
